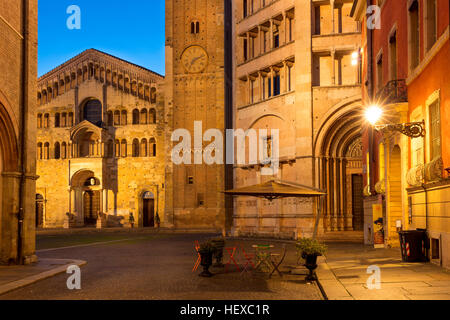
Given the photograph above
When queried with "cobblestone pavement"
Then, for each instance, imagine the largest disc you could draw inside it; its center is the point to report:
(160, 267)
(399, 280)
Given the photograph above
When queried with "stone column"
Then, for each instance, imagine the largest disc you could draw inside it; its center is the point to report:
(333, 61)
(271, 34)
(286, 38)
(332, 16)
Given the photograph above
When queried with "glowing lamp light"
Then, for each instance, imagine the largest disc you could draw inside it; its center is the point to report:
(373, 114)
(355, 56)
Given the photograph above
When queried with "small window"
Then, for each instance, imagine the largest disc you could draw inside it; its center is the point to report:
(276, 85)
(200, 199)
(190, 180)
(195, 27)
(57, 151)
(57, 120)
(435, 130)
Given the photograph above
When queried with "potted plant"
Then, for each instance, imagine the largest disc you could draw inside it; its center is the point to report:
(206, 252)
(219, 244)
(310, 249)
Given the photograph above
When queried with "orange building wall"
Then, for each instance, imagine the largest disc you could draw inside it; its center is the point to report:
(436, 75)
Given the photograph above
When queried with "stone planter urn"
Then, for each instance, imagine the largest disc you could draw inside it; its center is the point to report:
(218, 245)
(311, 265)
(206, 262)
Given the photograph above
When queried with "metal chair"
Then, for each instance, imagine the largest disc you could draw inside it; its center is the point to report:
(249, 260)
(276, 263)
(199, 259)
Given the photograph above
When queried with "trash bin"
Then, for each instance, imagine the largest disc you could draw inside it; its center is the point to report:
(414, 245)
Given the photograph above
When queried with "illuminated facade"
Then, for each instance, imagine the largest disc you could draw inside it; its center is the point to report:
(406, 72)
(100, 144)
(296, 69)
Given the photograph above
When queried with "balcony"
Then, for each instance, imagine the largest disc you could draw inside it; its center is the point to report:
(395, 91)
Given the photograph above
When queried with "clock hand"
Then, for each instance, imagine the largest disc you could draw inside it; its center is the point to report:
(196, 58)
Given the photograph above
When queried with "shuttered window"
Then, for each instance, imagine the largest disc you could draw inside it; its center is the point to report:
(435, 130)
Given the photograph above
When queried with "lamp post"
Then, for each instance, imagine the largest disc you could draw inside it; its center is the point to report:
(410, 129)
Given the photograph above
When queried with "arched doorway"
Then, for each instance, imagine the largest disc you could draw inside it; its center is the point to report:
(339, 169)
(394, 194)
(86, 194)
(148, 207)
(39, 211)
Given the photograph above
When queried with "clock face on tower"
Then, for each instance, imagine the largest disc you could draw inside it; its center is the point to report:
(194, 59)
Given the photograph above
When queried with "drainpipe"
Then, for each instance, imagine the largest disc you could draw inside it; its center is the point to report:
(370, 91)
(23, 126)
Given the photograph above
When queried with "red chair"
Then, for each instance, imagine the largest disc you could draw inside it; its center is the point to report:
(199, 259)
(249, 260)
(231, 251)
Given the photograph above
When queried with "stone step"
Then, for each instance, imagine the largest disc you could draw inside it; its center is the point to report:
(342, 236)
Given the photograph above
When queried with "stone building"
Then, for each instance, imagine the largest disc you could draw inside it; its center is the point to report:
(296, 69)
(100, 144)
(407, 66)
(18, 74)
(195, 91)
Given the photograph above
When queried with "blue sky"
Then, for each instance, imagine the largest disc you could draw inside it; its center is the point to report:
(132, 30)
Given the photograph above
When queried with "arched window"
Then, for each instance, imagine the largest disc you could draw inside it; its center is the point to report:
(64, 119)
(123, 119)
(63, 150)
(144, 148)
(135, 116)
(135, 148)
(117, 148)
(152, 147)
(47, 151)
(93, 112)
(123, 151)
(39, 99)
(110, 119)
(39, 121)
(143, 116)
(152, 116)
(195, 27)
(117, 118)
(70, 119)
(46, 120)
(57, 120)
(39, 151)
(57, 151)
(153, 95)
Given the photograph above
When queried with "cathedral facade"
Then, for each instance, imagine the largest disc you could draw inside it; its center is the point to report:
(100, 144)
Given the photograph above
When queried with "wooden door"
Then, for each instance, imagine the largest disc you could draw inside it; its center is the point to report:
(149, 213)
(357, 202)
(91, 206)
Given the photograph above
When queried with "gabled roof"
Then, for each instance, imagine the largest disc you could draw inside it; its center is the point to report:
(94, 53)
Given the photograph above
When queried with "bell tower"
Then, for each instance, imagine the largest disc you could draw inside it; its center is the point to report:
(194, 92)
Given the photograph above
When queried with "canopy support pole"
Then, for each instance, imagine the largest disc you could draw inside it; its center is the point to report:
(318, 215)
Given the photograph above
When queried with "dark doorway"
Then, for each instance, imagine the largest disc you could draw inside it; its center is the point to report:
(91, 207)
(39, 211)
(149, 213)
(357, 201)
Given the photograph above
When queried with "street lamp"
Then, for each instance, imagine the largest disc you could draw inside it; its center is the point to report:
(410, 129)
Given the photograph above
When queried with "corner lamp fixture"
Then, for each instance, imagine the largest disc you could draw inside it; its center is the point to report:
(410, 129)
